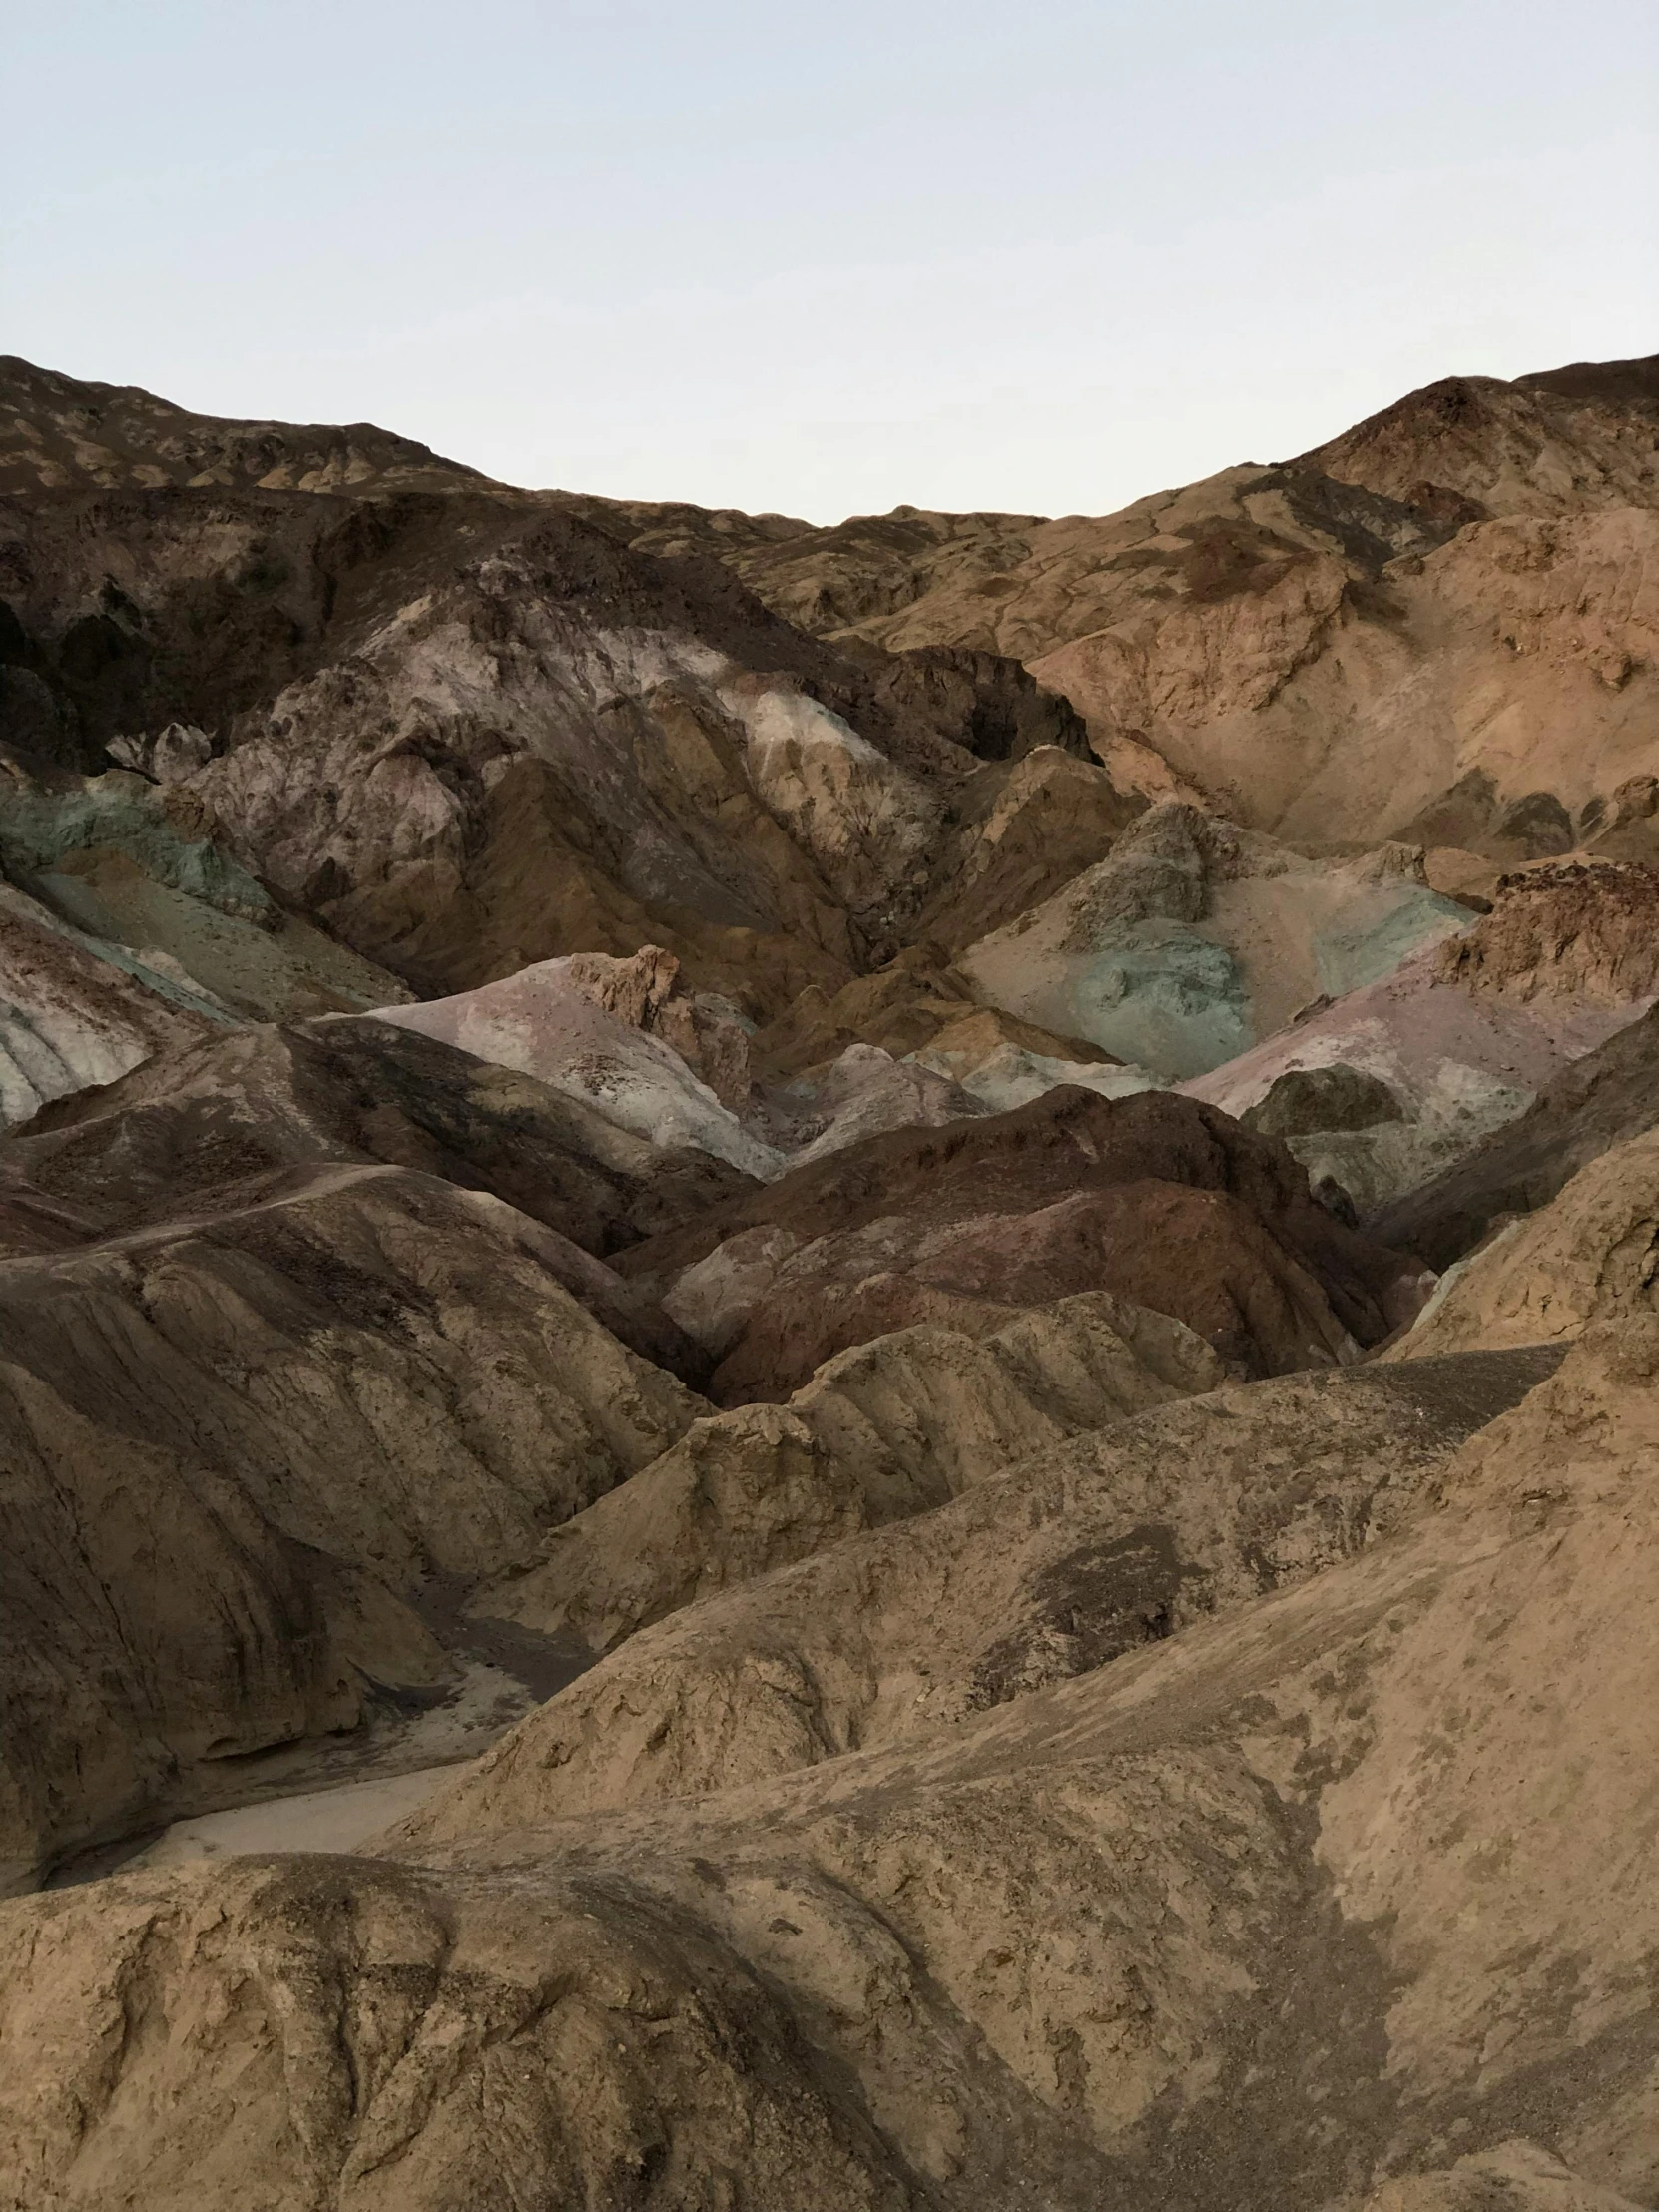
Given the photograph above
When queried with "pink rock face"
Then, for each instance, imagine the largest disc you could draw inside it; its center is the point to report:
(1414, 1025)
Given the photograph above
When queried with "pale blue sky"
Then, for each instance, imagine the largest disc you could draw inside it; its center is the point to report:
(827, 258)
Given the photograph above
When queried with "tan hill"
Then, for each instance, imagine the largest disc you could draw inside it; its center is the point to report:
(1439, 626)
(879, 1433)
(1066, 1556)
(1591, 1253)
(1233, 1920)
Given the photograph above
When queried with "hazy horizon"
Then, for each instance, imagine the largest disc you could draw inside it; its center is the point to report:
(933, 256)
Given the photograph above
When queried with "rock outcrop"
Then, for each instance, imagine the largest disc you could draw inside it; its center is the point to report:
(1194, 939)
(59, 433)
(598, 1030)
(1439, 626)
(881, 1432)
(1464, 1040)
(1046, 1568)
(72, 1015)
(138, 875)
(1574, 931)
(1591, 1253)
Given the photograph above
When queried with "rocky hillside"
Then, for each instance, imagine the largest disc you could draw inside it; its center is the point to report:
(1439, 626)
(830, 1356)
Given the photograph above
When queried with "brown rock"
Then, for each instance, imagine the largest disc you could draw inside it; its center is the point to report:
(1321, 648)
(1591, 1253)
(1060, 1560)
(1574, 931)
(1163, 1201)
(1218, 1922)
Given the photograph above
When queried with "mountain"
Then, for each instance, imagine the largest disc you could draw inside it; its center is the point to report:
(829, 1354)
(1439, 626)
(60, 434)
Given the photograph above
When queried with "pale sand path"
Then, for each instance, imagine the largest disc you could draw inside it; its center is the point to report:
(317, 1819)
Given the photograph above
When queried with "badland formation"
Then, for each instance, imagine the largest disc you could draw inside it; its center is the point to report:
(830, 1356)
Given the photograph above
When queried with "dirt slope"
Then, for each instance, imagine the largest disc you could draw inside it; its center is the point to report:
(878, 1433)
(237, 1446)
(1060, 1560)
(1591, 1253)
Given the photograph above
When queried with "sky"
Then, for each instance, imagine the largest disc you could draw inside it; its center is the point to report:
(820, 258)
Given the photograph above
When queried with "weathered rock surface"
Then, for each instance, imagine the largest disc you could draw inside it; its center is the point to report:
(863, 1093)
(1600, 1100)
(1465, 1038)
(1591, 1253)
(189, 1128)
(569, 1023)
(906, 1006)
(466, 730)
(136, 873)
(71, 1014)
(235, 1447)
(1574, 930)
(1551, 443)
(1439, 627)
(58, 432)
(1049, 1566)
(1518, 2176)
(674, 1066)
